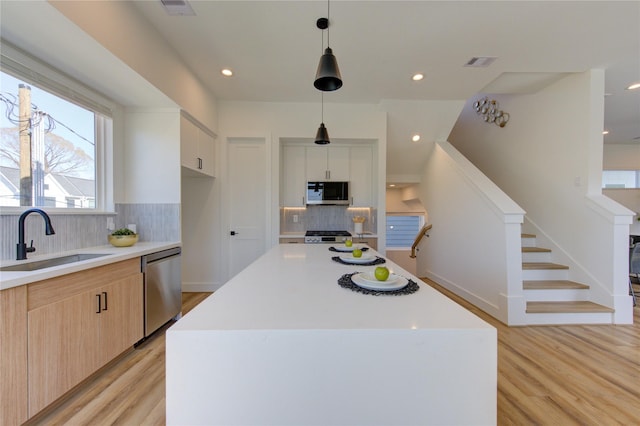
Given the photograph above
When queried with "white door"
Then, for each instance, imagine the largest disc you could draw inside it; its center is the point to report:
(247, 202)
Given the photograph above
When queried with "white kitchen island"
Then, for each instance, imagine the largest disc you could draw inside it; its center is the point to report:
(283, 344)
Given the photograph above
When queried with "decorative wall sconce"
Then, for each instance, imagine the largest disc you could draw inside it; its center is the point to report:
(491, 112)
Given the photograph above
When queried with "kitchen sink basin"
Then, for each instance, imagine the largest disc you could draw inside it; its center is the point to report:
(48, 263)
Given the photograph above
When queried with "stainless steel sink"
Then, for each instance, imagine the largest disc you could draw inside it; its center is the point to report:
(48, 263)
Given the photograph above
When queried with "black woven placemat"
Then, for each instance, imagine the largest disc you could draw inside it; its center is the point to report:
(345, 282)
(377, 261)
(344, 251)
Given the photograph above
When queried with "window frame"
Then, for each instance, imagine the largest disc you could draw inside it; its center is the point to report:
(33, 71)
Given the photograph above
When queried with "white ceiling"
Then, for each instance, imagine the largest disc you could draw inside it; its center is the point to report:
(273, 48)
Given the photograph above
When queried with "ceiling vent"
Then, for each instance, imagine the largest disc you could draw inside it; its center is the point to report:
(480, 61)
(177, 8)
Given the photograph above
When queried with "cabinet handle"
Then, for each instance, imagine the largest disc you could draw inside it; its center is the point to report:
(199, 163)
(327, 174)
(105, 300)
(351, 200)
(303, 200)
(99, 304)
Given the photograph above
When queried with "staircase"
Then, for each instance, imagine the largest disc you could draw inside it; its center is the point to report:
(551, 297)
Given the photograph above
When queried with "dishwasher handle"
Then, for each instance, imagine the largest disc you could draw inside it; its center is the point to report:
(158, 256)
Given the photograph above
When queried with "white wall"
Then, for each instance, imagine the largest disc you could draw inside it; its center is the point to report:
(118, 26)
(624, 157)
(474, 245)
(273, 121)
(403, 200)
(549, 160)
(151, 160)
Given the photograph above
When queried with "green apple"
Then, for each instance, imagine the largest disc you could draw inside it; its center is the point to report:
(381, 273)
(348, 243)
(357, 252)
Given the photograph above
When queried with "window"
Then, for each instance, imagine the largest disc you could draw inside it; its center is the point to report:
(402, 230)
(627, 179)
(54, 134)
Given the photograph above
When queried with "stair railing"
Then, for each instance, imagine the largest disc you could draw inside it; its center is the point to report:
(419, 237)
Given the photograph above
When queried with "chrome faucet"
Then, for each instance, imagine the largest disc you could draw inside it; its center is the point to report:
(22, 248)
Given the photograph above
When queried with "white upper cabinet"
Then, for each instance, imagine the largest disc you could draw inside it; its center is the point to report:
(196, 147)
(361, 173)
(327, 163)
(293, 176)
(348, 163)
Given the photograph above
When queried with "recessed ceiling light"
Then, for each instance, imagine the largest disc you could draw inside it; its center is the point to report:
(415, 138)
(605, 132)
(634, 86)
(391, 185)
(227, 72)
(417, 77)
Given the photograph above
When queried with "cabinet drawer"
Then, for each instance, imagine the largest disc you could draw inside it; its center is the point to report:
(59, 288)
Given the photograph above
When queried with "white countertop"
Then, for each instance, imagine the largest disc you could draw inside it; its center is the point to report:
(9, 279)
(294, 286)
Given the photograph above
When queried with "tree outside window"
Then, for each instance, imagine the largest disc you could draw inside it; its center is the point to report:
(47, 148)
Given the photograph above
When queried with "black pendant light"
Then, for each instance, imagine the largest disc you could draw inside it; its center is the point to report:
(322, 135)
(328, 76)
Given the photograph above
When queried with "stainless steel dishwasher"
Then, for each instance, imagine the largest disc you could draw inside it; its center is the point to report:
(162, 288)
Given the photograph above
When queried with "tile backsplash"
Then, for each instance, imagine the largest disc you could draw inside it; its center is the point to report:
(154, 222)
(325, 218)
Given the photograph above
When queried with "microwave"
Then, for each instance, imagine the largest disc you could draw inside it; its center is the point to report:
(328, 193)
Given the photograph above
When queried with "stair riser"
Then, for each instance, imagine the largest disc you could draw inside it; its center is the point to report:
(561, 295)
(544, 274)
(572, 318)
(534, 257)
(528, 242)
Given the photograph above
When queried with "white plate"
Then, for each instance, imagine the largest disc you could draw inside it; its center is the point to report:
(399, 283)
(345, 248)
(366, 258)
(371, 279)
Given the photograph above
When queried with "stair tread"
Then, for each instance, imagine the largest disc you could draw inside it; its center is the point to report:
(535, 250)
(581, 306)
(527, 235)
(552, 285)
(543, 265)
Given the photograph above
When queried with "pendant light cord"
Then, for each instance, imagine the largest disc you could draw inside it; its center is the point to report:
(328, 24)
(322, 106)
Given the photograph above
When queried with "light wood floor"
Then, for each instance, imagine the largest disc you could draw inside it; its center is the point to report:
(582, 375)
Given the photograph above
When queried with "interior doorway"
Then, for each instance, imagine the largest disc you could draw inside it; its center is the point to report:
(248, 201)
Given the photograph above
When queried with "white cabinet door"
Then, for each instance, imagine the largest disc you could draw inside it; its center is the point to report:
(316, 162)
(338, 163)
(206, 152)
(293, 178)
(188, 144)
(327, 163)
(361, 168)
(196, 147)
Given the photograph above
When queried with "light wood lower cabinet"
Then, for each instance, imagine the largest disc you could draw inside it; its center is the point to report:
(79, 322)
(13, 356)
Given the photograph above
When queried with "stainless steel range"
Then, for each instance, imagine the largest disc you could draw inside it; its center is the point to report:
(319, 237)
